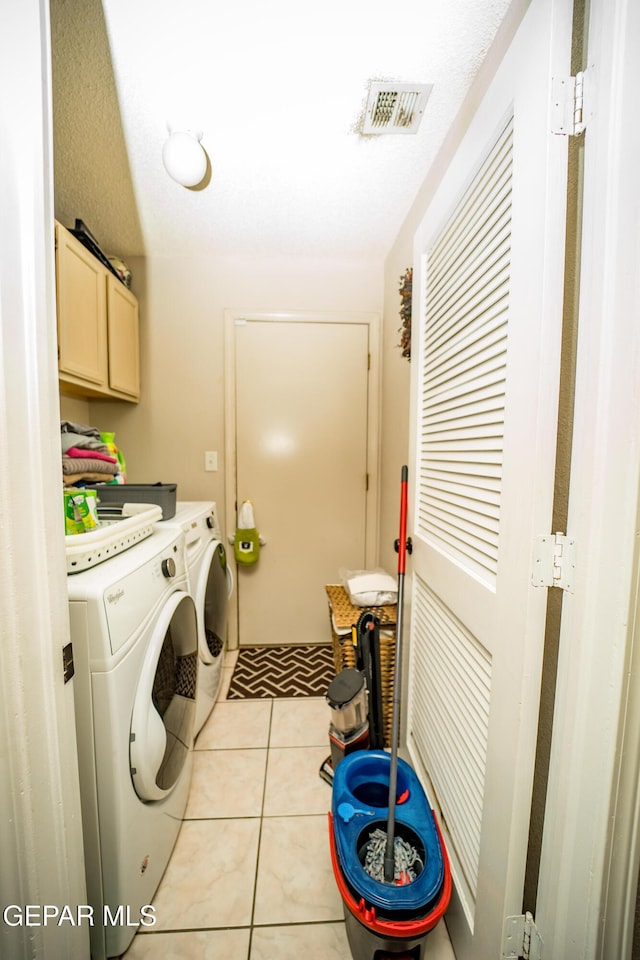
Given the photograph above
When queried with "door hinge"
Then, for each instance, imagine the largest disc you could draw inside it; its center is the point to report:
(567, 105)
(521, 939)
(554, 562)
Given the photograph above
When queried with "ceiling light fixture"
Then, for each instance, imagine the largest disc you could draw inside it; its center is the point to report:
(183, 156)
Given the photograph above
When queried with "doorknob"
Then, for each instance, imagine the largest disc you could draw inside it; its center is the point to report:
(396, 545)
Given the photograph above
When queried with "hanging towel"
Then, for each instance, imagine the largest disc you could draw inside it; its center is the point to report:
(246, 543)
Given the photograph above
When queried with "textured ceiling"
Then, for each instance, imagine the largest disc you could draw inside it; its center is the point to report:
(278, 87)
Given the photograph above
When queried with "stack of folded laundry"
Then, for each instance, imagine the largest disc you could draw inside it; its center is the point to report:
(84, 456)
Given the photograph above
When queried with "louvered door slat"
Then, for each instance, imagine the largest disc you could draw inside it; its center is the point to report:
(487, 307)
(450, 709)
(487, 359)
(441, 482)
(489, 191)
(477, 392)
(463, 351)
(461, 409)
(471, 263)
(474, 233)
(462, 415)
(467, 354)
(478, 280)
(481, 555)
(448, 502)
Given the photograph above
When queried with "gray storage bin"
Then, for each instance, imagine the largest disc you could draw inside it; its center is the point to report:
(162, 494)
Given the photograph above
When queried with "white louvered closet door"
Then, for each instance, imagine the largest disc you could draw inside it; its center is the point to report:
(488, 280)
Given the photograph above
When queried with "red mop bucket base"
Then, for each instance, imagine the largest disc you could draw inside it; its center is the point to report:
(376, 938)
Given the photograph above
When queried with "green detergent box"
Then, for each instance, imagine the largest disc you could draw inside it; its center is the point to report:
(80, 511)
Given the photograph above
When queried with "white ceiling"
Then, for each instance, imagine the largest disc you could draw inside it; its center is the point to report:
(278, 87)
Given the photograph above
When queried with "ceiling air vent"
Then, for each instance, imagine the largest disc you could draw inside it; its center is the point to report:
(395, 107)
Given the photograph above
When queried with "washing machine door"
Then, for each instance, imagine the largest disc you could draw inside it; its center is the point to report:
(212, 592)
(162, 724)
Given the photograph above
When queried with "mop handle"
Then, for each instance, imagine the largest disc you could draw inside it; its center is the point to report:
(389, 854)
(402, 539)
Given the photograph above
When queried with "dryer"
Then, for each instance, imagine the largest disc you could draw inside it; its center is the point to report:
(135, 643)
(211, 585)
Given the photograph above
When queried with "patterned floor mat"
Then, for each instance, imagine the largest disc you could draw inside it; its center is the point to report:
(286, 671)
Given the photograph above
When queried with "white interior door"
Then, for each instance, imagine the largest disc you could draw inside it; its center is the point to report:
(490, 259)
(301, 401)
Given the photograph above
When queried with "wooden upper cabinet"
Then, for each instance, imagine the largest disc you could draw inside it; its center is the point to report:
(82, 311)
(98, 335)
(123, 339)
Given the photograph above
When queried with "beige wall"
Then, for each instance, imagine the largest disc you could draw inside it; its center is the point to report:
(396, 375)
(182, 303)
(73, 409)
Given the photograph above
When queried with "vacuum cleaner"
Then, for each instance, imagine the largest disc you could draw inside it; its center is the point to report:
(355, 699)
(388, 855)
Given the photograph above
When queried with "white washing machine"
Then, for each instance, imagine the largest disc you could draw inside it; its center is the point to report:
(135, 647)
(211, 585)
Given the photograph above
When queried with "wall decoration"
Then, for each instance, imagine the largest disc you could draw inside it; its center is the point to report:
(406, 283)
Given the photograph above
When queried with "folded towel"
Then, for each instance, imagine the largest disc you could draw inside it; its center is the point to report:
(77, 465)
(84, 443)
(71, 479)
(91, 454)
(371, 589)
(81, 435)
(66, 426)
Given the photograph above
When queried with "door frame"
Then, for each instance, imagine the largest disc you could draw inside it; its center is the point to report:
(591, 843)
(373, 322)
(40, 815)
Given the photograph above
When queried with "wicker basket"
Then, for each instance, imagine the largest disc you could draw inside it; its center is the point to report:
(342, 616)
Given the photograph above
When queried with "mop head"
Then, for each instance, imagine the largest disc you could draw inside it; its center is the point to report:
(407, 861)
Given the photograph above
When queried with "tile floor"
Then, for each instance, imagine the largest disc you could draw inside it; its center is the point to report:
(250, 877)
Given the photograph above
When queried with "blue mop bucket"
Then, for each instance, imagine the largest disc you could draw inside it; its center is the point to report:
(386, 919)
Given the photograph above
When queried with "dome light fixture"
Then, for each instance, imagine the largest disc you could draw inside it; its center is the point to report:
(183, 156)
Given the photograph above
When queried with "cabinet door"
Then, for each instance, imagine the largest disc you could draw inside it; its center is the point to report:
(124, 359)
(82, 311)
